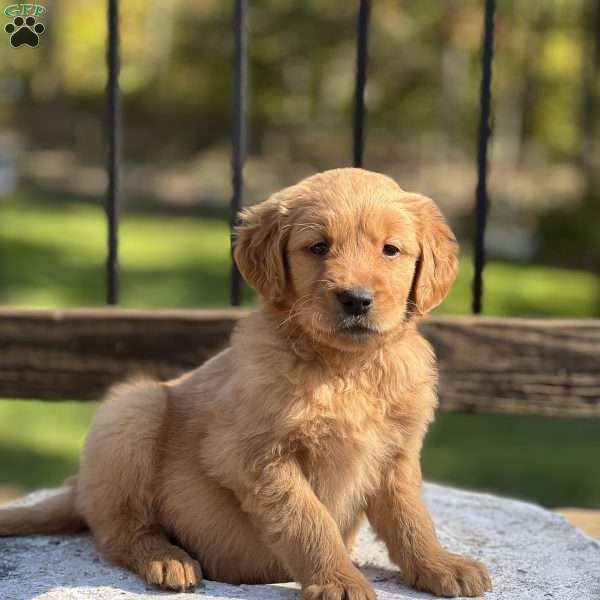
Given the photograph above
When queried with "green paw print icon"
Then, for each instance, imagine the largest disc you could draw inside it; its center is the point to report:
(24, 32)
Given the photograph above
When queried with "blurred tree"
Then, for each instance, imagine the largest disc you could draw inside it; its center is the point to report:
(588, 156)
(422, 93)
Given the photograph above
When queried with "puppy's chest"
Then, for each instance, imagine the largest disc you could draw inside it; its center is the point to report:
(344, 465)
(342, 440)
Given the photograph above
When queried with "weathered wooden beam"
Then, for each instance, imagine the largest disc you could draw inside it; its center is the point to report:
(77, 353)
(537, 366)
(487, 364)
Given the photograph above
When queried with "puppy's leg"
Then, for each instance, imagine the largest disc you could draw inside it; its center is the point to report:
(150, 554)
(399, 517)
(117, 486)
(302, 533)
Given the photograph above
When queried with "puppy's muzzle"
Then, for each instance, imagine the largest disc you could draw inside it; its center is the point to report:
(355, 301)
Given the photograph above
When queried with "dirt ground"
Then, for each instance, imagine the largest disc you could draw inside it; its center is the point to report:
(586, 519)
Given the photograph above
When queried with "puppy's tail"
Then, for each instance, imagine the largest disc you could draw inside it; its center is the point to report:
(55, 514)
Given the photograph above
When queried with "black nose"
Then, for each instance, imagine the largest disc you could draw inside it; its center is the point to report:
(355, 301)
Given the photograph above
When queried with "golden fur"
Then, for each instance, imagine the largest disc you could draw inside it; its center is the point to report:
(259, 465)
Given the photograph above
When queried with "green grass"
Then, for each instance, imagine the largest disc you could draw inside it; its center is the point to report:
(40, 441)
(527, 291)
(52, 255)
(551, 461)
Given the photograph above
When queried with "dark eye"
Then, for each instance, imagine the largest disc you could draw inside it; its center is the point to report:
(390, 250)
(320, 248)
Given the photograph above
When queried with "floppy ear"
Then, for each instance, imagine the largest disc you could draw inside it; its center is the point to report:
(437, 265)
(259, 252)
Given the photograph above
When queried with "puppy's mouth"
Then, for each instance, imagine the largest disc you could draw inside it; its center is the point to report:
(355, 328)
(357, 331)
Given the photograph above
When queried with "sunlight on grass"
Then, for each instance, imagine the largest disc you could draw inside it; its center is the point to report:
(40, 441)
(58, 427)
(54, 254)
(526, 291)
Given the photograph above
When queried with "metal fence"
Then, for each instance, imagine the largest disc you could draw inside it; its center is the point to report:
(239, 135)
(529, 366)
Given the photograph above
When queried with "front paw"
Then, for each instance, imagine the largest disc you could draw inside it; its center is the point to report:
(449, 575)
(350, 584)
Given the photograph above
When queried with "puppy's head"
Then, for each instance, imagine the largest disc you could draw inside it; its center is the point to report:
(347, 255)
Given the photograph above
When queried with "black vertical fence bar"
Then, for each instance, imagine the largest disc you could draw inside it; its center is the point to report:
(362, 32)
(113, 127)
(239, 133)
(481, 195)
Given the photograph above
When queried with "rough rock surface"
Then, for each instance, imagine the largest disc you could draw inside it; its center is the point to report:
(532, 553)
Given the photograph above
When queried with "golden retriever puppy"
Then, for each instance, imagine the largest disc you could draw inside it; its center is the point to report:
(259, 465)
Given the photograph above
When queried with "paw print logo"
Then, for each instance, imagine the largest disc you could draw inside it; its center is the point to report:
(24, 32)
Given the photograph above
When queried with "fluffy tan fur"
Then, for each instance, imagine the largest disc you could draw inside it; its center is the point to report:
(260, 465)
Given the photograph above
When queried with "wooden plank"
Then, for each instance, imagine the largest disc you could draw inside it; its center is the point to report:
(77, 354)
(537, 366)
(487, 364)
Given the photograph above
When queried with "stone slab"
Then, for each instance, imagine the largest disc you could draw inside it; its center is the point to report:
(532, 554)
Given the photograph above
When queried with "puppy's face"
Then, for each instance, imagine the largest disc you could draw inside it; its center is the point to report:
(347, 255)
